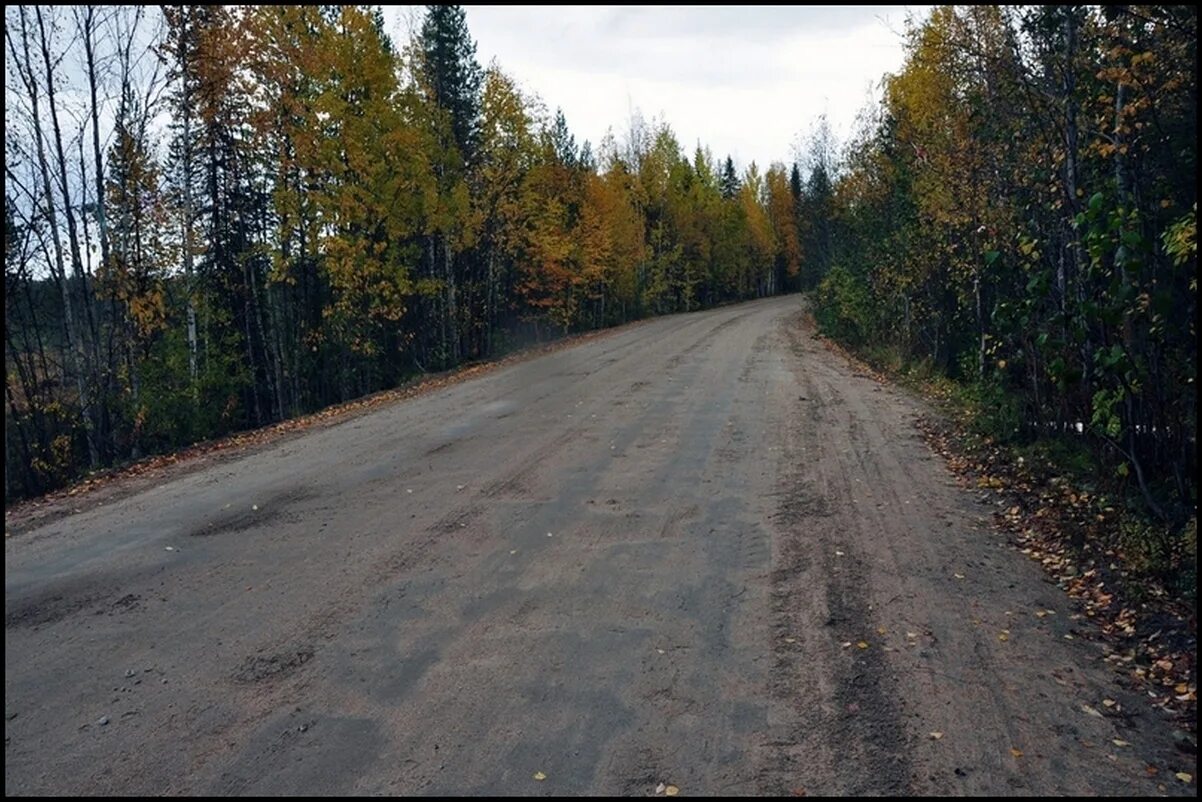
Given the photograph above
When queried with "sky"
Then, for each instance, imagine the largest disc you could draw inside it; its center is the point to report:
(750, 82)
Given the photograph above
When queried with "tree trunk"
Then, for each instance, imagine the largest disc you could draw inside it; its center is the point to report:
(82, 342)
(71, 361)
(452, 311)
(89, 49)
(185, 113)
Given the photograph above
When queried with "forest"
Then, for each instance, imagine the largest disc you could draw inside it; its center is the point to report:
(1019, 215)
(220, 217)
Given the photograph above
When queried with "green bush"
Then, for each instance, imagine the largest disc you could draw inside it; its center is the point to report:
(843, 306)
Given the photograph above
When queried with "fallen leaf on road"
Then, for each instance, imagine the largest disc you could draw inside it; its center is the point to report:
(880, 630)
(1184, 777)
(671, 790)
(1003, 637)
(935, 736)
(1093, 711)
(862, 644)
(538, 775)
(1120, 742)
(1109, 702)
(1016, 752)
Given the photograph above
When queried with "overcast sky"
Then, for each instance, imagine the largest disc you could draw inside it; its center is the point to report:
(744, 81)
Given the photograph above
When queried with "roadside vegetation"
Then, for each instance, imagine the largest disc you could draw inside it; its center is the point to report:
(1015, 232)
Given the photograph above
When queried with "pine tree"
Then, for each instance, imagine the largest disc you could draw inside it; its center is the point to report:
(563, 141)
(819, 210)
(180, 50)
(587, 162)
(730, 180)
(453, 76)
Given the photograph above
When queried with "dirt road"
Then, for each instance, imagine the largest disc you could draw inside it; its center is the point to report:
(699, 551)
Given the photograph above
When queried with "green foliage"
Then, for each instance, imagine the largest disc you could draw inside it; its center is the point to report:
(997, 414)
(843, 306)
(1053, 278)
(452, 75)
(1153, 550)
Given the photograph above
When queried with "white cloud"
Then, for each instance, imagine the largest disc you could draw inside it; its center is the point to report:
(743, 81)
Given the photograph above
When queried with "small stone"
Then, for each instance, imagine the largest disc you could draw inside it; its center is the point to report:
(103, 721)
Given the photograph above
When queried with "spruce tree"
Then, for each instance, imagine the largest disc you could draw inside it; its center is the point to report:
(587, 162)
(729, 182)
(563, 141)
(453, 75)
(819, 211)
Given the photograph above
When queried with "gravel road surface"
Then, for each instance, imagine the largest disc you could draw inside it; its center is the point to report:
(701, 551)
